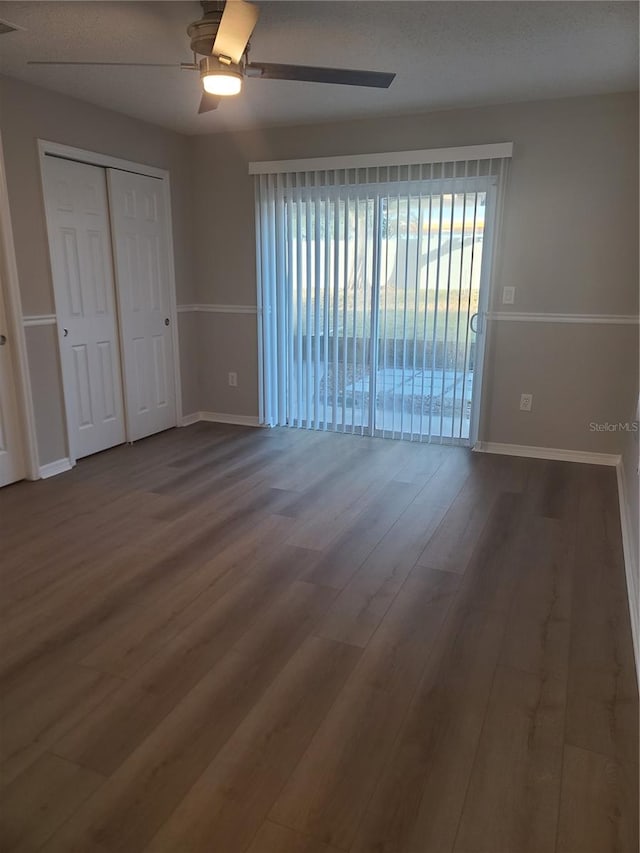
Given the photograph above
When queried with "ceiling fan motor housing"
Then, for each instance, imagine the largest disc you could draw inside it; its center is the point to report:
(203, 32)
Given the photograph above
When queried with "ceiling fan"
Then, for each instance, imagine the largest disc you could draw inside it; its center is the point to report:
(221, 37)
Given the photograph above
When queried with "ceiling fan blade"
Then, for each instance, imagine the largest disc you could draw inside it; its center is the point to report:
(312, 74)
(208, 102)
(120, 64)
(236, 25)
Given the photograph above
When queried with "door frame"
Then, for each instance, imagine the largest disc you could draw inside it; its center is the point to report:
(480, 385)
(105, 161)
(15, 327)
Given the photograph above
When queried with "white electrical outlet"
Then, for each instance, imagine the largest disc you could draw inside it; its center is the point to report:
(508, 295)
(233, 379)
(526, 402)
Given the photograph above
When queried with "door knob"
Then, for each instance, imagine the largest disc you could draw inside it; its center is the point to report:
(65, 332)
(3, 340)
(473, 319)
(166, 321)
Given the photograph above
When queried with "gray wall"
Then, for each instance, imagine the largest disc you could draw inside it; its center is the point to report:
(28, 113)
(570, 246)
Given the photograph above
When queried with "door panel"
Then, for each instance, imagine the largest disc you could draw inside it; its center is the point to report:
(140, 227)
(80, 248)
(430, 274)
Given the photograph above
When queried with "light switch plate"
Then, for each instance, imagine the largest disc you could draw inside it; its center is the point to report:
(508, 295)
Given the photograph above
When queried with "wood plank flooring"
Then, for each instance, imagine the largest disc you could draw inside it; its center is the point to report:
(229, 640)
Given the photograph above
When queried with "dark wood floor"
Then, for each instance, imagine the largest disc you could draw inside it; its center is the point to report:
(225, 640)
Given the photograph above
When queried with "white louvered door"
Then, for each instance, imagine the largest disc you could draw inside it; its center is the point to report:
(139, 227)
(80, 250)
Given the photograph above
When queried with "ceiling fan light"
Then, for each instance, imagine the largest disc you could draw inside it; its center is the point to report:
(222, 82)
(220, 77)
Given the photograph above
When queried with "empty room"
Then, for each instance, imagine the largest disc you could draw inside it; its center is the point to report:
(319, 426)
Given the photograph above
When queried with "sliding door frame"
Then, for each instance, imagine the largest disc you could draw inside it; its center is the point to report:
(487, 277)
(93, 158)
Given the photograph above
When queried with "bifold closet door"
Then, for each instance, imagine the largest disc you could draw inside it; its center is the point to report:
(80, 250)
(139, 228)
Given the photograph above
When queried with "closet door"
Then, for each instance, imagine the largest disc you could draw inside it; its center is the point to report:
(80, 249)
(139, 227)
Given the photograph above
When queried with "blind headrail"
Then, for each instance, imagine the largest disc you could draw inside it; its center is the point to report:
(393, 158)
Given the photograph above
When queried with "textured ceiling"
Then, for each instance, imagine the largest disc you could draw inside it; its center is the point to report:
(445, 54)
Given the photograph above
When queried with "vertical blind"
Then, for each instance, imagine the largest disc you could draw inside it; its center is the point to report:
(371, 276)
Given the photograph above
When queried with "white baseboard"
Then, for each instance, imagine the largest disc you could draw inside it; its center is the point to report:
(53, 468)
(630, 566)
(552, 453)
(193, 418)
(220, 418)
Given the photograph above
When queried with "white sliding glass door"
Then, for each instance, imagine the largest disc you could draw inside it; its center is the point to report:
(373, 290)
(429, 295)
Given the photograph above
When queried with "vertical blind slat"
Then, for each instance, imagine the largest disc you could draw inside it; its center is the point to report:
(289, 343)
(426, 301)
(471, 274)
(269, 308)
(386, 226)
(395, 314)
(434, 338)
(336, 296)
(307, 326)
(344, 310)
(354, 310)
(404, 307)
(299, 292)
(375, 310)
(443, 382)
(459, 299)
(280, 324)
(416, 309)
(366, 328)
(316, 313)
(326, 289)
(262, 415)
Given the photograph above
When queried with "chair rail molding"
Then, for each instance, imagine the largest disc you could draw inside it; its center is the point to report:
(39, 320)
(212, 308)
(540, 317)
